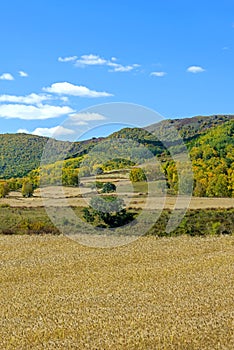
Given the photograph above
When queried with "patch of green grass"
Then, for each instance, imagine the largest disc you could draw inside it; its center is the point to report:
(24, 220)
(199, 222)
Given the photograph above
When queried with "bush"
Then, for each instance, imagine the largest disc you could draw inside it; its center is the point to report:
(4, 190)
(107, 212)
(137, 175)
(108, 187)
(27, 189)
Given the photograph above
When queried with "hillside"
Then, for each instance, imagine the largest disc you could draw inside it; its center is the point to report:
(212, 156)
(188, 128)
(21, 153)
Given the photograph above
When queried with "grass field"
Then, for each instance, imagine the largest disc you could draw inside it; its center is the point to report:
(167, 293)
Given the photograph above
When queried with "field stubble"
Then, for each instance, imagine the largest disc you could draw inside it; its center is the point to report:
(168, 293)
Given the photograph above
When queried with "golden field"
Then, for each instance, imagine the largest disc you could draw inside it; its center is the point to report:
(167, 293)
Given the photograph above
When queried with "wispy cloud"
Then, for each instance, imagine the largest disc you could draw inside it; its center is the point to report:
(120, 68)
(67, 59)
(65, 88)
(28, 99)
(158, 74)
(83, 118)
(6, 76)
(195, 69)
(23, 74)
(90, 60)
(29, 112)
(95, 60)
(56, 131)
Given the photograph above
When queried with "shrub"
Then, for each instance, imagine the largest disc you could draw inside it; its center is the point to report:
(4, 190)
(107, 212)
(136, 175)
(27, 189)
(108, 187)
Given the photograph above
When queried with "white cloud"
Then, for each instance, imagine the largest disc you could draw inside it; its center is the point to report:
(80, 123)
(95, 60)
(195, 69)
(29, 112)
(66, 88)
(90, 60)
(158, 74)
(67, 59)
(64, 98)
(23, 74)
(56, 131)
(83, 118)
(28, 99)
(120, 68)
(6, 76)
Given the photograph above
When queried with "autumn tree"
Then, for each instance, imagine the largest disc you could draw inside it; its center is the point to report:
(4, 189)
(27, 189)
(137, 175)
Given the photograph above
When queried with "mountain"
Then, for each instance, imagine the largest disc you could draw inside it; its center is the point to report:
(188, 128)
(21, 153)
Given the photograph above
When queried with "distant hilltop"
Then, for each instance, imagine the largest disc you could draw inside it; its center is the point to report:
(21, 153)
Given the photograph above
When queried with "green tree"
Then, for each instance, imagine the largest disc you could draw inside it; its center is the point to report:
(137, 174)
(218, 186)
(107, 204)
(70, 177)
(108, 187)
(107, 211)
(27, 189)
(4, 189)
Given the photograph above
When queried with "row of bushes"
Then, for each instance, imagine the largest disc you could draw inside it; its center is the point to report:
(200, 222)
(26, 187)
(197, 222)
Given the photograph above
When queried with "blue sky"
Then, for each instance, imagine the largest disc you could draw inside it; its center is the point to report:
(59, 58)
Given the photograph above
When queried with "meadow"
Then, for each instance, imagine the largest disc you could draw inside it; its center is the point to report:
(167, 293)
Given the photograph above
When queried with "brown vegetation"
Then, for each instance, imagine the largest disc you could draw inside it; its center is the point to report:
(163, 293)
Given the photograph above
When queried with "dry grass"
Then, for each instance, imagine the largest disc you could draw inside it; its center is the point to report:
(174, 293)
(74, 198)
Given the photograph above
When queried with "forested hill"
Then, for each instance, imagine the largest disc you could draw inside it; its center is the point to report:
(21, 153)
(189, 128)
(212, 156)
